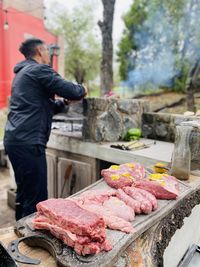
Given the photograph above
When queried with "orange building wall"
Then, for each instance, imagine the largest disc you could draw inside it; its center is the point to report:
(21, 26)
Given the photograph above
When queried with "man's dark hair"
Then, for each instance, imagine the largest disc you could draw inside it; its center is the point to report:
(28, 47)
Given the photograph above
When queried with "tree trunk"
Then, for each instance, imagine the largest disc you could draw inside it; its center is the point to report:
(79, 75)
(107, 46)
(190, 99)
(190, 90)
(189, 84)
(193, 85)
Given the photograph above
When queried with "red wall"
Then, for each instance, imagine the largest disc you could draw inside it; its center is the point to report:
(20, 26)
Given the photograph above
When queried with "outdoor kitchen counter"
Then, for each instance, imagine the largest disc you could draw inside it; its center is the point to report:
(72, 142)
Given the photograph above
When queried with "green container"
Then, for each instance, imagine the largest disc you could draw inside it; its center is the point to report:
(133, 134)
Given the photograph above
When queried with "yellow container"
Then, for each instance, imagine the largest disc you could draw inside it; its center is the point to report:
(160, 167)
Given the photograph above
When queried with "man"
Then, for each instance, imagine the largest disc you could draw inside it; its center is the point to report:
(28, 126)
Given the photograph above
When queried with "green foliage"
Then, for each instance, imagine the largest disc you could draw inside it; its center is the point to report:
(181, 80)
(176, 26)
(125, 46)
(94, 90)
(133, 19)
(136, 16)
(82, 51)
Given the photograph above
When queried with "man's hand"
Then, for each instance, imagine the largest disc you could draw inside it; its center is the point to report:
(67, 102)
(86, 90)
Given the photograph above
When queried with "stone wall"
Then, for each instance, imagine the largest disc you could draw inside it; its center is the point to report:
(108, 119)
(161, 126)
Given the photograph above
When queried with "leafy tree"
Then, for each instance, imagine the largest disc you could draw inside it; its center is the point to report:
(82, 51)
(127, 46)
(160, 44)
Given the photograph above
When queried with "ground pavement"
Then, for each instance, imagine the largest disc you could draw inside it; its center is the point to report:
(6, 213)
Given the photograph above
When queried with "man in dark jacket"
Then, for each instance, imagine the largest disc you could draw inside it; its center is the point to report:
(28, 126)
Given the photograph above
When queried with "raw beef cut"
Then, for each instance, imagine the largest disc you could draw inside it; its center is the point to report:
(118, 176)
(70, 216)
(112, 221)
(162, 186)
(81, 244)
(76, 227)
(60, 232)
(95, 196)
(119, 209)
(116, 213)
(93, 248)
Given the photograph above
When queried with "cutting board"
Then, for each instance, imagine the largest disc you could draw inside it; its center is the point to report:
(66, 256)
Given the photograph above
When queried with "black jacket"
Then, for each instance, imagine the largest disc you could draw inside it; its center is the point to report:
(32, 105)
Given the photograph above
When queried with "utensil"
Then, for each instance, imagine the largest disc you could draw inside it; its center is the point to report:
(66, 177)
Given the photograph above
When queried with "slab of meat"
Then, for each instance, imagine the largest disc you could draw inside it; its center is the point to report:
(145, 204)
(70, 216)
(134, 204)
(39, 217)
(119, 209)
(68, 237)
(93, 200)
(162, 186)
(118, 176)
(112, 221)
(93, 248)
(81, 244)
(95, 196)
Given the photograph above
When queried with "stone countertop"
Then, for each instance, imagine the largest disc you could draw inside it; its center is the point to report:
(162, 224)
(72, 142)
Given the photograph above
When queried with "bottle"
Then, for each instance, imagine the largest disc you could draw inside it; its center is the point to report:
(181, 158)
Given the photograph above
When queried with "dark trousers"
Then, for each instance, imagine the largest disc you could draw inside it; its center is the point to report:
(30, 168)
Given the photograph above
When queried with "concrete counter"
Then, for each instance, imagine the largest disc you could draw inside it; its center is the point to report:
(72, 142)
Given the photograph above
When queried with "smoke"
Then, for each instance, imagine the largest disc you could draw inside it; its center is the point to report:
(189, 29)
(161, 44)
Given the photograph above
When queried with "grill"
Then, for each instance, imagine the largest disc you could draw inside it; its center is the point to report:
(67, 123)
(71, 121)
(72, 125)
